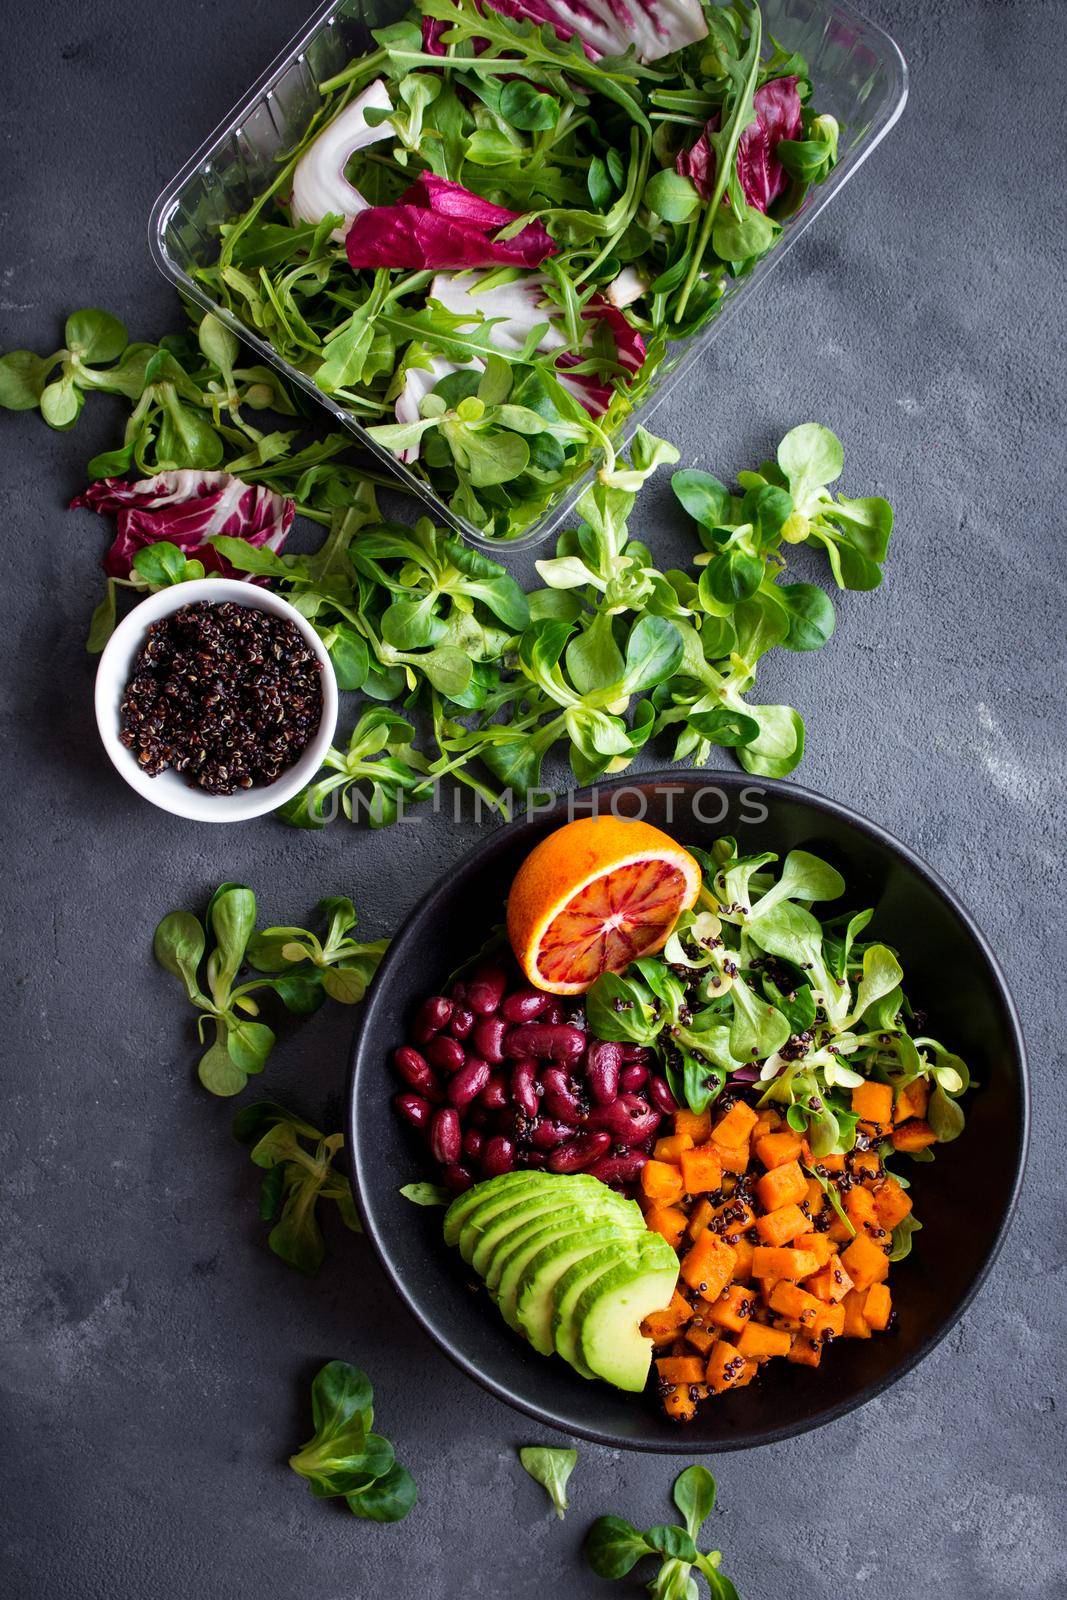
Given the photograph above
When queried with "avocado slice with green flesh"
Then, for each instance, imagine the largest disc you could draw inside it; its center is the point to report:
(609, 1314)
(484, 1206)
(508, 1183)
(574, 1216)
(525, 1292)
(622, 1250)
(514, 1204)
(499, 1229)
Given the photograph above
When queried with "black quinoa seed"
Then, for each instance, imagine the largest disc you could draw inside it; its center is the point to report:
(226, 694)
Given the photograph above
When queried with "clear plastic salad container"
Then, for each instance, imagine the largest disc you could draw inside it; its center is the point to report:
(859, 74)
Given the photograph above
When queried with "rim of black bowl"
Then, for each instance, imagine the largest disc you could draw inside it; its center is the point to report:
(445, 886)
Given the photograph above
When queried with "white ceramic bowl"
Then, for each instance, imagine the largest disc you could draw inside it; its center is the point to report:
(170, 790)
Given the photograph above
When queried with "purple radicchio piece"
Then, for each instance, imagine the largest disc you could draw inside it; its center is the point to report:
(655, 28)
(437, 224)
(320, 188)
(763, 178)
(187, 509)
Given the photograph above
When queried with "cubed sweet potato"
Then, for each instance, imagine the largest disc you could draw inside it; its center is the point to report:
(782, 1226)
(708, 1265)
(735, 1127)
(775, 1149)
(783, 1185)
(757, 1342)
(865, 1262)
(873, 1102)
(701, 1169)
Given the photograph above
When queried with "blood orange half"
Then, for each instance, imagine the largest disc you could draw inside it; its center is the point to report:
(594, 895)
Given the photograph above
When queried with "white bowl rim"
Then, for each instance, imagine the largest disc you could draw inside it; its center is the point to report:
(169, 791)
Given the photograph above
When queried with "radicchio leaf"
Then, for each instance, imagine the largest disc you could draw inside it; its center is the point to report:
(609, 27)
(516, 308)
(320, 188)
(777, 107)
(440, 224)
(187, 509)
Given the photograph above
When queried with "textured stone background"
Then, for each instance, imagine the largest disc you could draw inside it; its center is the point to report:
(155, 1355)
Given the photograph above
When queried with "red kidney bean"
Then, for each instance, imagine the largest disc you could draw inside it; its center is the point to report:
(639, 1053)
(446, 1053)
(432, 1016)
(559, 1100)
(578, 1154)
(462, 1022)
(524, 1087)
(488, 1038)
(618, 1170)
(548, 1041)
(535, 1158)
(467, 1084)
(456, 1178)
(485, 989)
(632, 1077)
(414, 1109)
(446, 1136)
(602, 1070)
(458, 992)
(629, 1119)
(659, 1092)
(553, 1012)
(473, 1140)
(524, 1005)
(412, 1068)
(546, 1133)
(498, 1156)
(494, 1097)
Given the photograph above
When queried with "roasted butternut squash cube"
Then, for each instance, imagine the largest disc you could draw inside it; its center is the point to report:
(913, 1135)
(670, 1148)
(701, 1169)
(770, 1262)
(681, 1369)
(878, 1306)
(699, 1218)
(697, 1124)
(804, 1352)
(831, 1282)
(859, 1208)
(757, 1342)
(782, 1226)
(820, 1245)
(732, 1309)
(736, 1126)
(726, 1367)
(662, 1326)
(912, 1100)
(680, 1405)
(775, 1149)
(865, 1262)
(873, 1102)
(784, 1185)
(661, 1182)
(790, 1300)
(668, 1221)
(892, 1203)
(856, 1325)
(744, 1250)
(708, 1265)
(734, 1157)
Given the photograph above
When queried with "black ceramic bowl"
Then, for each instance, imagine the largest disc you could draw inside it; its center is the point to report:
(965, 1198)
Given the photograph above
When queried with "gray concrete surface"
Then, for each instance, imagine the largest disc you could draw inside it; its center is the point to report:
(155, 1356)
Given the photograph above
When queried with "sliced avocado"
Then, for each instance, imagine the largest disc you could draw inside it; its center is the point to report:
(553, 1247)
(461, 1208)
(609, 1313)
(570, 1218)
(570, 1287)
(544, 1185)
(499, 1228)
